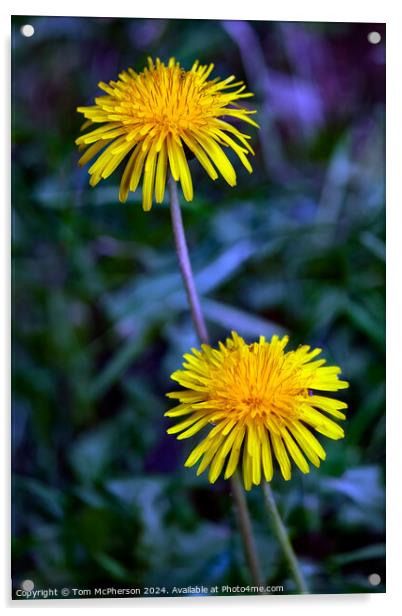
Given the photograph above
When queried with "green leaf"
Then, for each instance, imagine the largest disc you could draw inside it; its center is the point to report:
(243, 322)
(369, 552)
(366, 322)
(116, 366)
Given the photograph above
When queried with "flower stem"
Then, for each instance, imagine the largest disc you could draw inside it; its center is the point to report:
(244, 522)
(185, 264)
(202, 332)
(283, 537)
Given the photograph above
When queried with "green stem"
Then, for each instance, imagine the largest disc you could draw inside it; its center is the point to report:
(243, 514)
(283, 537)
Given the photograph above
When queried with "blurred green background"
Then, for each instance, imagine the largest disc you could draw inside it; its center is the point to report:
(100, 495)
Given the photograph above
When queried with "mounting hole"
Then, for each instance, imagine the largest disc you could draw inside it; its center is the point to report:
(28, 585)
(27, 30)
(374, 579)
(374, 38)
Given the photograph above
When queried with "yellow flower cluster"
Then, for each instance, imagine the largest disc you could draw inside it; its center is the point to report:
(151, 118)
(259, 403)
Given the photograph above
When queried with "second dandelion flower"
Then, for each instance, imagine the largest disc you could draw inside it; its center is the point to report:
(259, 403)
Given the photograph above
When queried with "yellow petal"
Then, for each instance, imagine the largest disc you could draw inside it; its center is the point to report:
(197, 452)
(116, 160)
(247, 470)
(137, 169)
(184, 424)
(216, 466)
(126, 177)
(235, 453)
(179, 410)
(172, 148)
(266, 455)
(219, 157)
(295, 452)
(308, 442)
(92, 151)
(185, 176)
(160, 180)
(194, 428)
(149, 174)
(281, 455)
(321, 423)
(209, 454)
(201, 156)
(329, 405)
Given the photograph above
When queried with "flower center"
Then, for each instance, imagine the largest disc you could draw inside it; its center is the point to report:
(252, 385)
(255, 405)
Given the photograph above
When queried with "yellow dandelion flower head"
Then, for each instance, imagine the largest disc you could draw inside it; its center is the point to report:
(260, 403)
(153, 118)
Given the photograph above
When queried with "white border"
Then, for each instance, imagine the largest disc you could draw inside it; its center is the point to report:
(286, 10)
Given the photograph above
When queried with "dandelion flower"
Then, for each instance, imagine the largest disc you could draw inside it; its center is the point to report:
(152, 119)
(259, 403)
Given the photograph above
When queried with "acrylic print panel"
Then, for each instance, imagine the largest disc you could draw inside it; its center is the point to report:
(255, 464)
